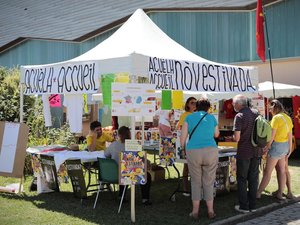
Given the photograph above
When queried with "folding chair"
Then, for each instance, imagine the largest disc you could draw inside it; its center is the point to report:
(108, 174)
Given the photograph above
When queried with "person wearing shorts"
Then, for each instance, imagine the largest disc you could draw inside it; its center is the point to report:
(278, 149)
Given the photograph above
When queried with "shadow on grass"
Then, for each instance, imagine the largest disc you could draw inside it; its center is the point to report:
(163, 211)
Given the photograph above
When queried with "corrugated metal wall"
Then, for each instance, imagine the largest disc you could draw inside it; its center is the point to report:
(224, 37)
(33, 52)
(87, 45)
(220, 36)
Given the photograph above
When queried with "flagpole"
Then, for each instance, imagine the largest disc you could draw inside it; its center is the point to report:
(269, 50)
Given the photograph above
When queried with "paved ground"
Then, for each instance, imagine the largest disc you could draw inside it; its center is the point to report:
(286, 212)
(286, 215)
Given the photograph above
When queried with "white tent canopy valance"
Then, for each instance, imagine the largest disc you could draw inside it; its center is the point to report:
(138, 47)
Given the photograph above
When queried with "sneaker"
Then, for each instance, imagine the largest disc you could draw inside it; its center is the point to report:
(253, 210)
(186, 194)
(237, 208)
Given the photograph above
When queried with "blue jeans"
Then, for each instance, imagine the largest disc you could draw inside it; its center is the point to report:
(247, 181)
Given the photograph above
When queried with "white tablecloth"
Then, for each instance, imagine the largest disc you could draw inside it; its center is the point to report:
(84, 156)
(60, 155)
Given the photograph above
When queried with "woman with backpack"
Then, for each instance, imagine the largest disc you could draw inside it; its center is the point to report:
(278, 149)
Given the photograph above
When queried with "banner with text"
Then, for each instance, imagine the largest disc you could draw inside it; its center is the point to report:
(201, 76)
(81, 77)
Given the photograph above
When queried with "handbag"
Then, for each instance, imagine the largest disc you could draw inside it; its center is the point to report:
(197, 126)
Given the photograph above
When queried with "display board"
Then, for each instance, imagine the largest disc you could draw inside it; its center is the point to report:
(13, 142)
(133, 168)
(258, 103)
(75, 173)
(49, 172)
(167, 150)
(133, 99)
(221, 184)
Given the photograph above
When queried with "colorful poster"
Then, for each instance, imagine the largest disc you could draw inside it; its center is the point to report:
(133, 167)
(259, 104)
(214, 108)
(151, 137)
(167, 151)
(55, 100)
(180, 153)
(133, 99)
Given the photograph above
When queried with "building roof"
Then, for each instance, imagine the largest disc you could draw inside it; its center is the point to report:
(78, 20)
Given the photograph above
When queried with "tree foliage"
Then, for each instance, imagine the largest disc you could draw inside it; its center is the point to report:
(10, 96)
(33, 112)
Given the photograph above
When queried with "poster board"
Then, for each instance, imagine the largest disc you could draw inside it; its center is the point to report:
(75, 173)
(133, 99)
(13, 143)
(221, 184)
(258, 103)
(133, 168)
(49, 172)
(167, 150)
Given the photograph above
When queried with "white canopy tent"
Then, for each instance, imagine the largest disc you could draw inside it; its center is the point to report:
(138, 47)
(281, 90)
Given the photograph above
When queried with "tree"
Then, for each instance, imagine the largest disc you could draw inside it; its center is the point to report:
(10, 96)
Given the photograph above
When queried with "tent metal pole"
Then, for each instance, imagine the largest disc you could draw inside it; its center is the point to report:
(269, 51)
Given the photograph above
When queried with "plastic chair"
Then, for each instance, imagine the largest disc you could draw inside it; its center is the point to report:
(108, 174)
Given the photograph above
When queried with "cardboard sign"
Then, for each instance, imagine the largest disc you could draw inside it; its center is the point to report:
(13, 142)
(133, 168)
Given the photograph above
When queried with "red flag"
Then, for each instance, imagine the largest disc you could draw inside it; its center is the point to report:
(296, 110)
(260, 37)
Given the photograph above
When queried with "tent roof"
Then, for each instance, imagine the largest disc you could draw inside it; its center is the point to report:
(140, 35)
(130, 49)
(124, 50)
(281, 90)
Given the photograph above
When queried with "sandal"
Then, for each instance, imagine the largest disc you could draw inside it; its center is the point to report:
(194, 216)
(290, 196)
(274, 193)
(211, 215)
(280, 198)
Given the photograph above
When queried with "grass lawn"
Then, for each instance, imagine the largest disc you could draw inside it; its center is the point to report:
(63, 208)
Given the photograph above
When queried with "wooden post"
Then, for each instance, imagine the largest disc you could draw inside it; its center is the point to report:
(132, 202)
